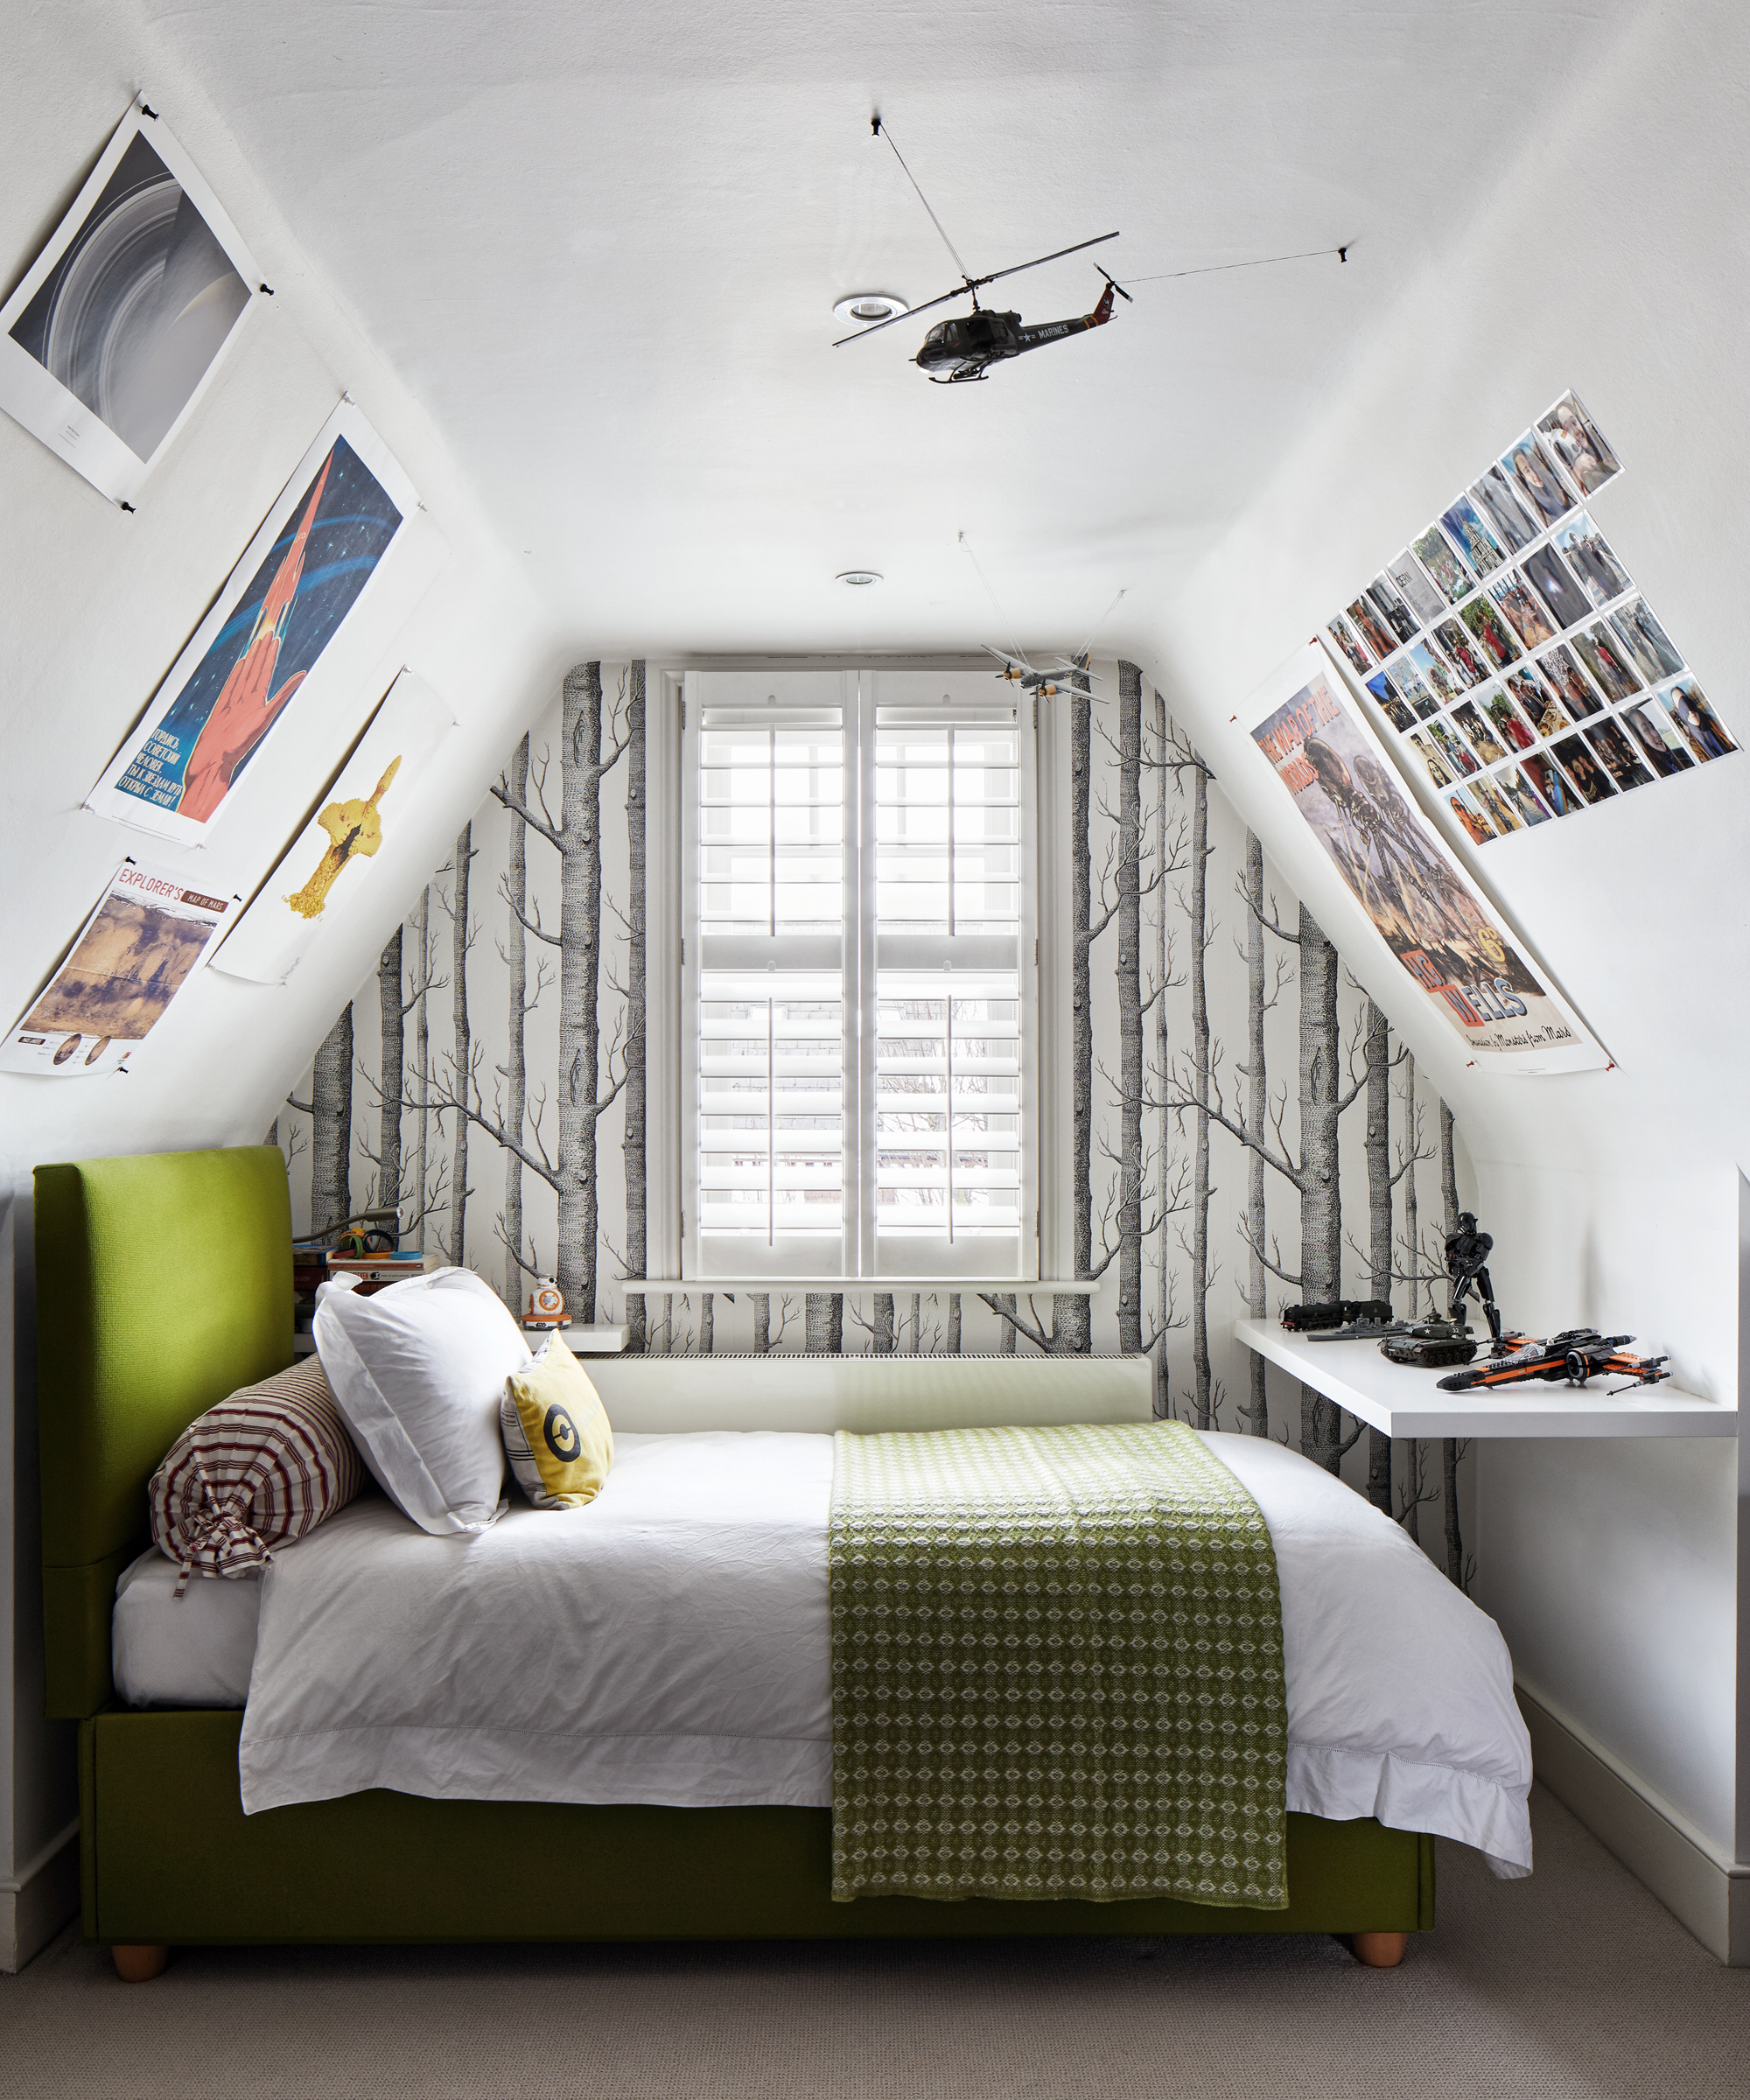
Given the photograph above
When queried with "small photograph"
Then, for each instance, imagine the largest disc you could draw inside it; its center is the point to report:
(1383, 597)
(1583, 770)
(1618, 753)
(1442, 681)
(1436, 767)
(1391, 703)
(1528, 467)
(1608, 661)
(1505, 817)
(1656, 734)
(1588, 554)
(1498, 499)
(1464, 652)
(1646, 641)
(1549, 578)
(1551, 784)
(1536, 702)
(1340, 632)
(1373, 630)
(1528, 804)
(1408, 680)
(1523, 611)
(1509, 724)
(1453, 748)
(1696, 719)
(1448, 573)
(1480, 617)
(1573, 437)
(1561, 668)
(1477, 826)
(1422, 600)
(1471, 537)
(1477, 734)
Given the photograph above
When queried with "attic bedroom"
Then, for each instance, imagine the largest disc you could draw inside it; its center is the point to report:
(878, 1202)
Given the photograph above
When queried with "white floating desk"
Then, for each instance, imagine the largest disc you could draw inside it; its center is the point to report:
(1406, 1402)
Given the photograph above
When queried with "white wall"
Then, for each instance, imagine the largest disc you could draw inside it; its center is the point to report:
(1610, 260)
(98, 605)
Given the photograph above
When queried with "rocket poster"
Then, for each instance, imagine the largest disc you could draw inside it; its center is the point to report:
(301, 576)
(1421, 903)
(369, 803)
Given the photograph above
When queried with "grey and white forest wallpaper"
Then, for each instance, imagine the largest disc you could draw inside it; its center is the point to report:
(1247, 1131)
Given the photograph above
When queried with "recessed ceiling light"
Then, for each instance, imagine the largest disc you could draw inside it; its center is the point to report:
(868, 307)
(859, 579)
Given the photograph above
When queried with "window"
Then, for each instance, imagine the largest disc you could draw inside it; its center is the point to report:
(858, 973)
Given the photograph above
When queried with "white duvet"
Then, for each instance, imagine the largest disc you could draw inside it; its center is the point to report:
(669, 1643)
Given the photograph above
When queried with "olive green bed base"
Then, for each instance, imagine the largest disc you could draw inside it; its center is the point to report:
(169, 1856)
(164, 1283)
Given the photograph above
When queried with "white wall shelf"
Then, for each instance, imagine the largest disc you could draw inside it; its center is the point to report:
(1406, 1402)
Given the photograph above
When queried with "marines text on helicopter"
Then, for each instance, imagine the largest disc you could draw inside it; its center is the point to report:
(966, 348)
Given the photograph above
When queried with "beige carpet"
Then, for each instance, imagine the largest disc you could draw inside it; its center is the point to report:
(1575, 1982)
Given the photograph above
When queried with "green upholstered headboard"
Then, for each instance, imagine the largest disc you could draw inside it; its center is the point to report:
(163, 1283)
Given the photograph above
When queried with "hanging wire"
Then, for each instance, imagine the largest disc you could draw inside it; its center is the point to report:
(1210, 270)
(1001, 617)
(1087, 647)
(882, 131)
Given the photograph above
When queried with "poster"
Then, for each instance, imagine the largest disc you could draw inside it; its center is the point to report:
(300, 578)
(1421, 903)
(119, 326)
(331, 863)
(133, 955)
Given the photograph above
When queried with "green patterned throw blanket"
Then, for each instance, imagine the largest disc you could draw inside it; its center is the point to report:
(1056, 1668)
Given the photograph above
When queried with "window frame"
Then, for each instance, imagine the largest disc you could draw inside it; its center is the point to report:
(859, 692)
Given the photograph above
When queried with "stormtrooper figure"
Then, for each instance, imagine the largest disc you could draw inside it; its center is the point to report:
(1467, 1253)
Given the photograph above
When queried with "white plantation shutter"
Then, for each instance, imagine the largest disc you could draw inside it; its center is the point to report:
(858, 972)
(947, 928)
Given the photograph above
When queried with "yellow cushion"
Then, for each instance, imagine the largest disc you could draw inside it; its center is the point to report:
(557, 1434)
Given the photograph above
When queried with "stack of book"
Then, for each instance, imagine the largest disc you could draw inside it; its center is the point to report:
(311, 1268)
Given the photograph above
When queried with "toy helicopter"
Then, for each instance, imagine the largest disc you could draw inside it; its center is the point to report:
(965, 348)
(1575, 1354)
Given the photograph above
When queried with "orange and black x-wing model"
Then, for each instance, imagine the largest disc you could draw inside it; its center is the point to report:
(1574, 1355)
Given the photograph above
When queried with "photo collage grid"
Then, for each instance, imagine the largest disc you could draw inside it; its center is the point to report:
(1513, 654)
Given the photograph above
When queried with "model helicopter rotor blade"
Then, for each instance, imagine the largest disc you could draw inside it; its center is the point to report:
(875, 327)
(1117, 287)
(1015, 269)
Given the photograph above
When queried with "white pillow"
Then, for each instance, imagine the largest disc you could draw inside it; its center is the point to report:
(419, 1371)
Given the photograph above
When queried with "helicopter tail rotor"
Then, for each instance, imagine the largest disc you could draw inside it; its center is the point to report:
(1117, 287)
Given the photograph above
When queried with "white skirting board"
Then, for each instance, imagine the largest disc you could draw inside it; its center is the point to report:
(37, 1901)
(1703, 1888)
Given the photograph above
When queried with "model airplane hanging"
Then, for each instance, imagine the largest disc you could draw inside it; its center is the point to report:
(966, 348)
(1052, 680)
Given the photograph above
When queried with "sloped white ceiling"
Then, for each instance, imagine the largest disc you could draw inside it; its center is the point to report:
(602, 243)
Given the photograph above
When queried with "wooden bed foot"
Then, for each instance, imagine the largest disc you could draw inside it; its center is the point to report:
(1373, 1949)
(139, 1964)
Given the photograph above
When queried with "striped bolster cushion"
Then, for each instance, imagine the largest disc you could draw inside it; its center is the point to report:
(265, 1466)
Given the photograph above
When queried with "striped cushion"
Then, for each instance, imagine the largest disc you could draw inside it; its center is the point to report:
(267, 1464)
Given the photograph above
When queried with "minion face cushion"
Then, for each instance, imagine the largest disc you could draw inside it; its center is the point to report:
(556, 1430)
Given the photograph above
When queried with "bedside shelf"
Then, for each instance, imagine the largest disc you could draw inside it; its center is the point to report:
(1404, 1402)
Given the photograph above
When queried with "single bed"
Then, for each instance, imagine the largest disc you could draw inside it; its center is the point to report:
(164, 1284)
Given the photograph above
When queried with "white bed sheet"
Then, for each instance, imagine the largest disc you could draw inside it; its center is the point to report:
(668, 1644)
(194, 1650)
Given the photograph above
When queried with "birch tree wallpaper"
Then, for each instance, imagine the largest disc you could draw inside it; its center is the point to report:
(1245, 1130)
